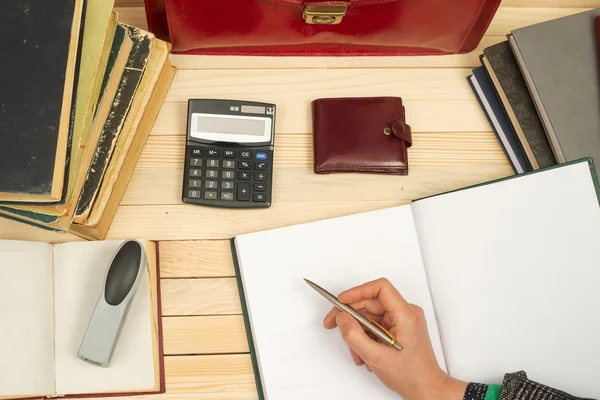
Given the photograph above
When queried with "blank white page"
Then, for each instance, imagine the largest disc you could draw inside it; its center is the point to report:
(79, 274)
(298, 358)
(26, 319)
(514, 271)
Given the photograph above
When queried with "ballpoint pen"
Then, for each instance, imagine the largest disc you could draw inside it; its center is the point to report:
(382, 334)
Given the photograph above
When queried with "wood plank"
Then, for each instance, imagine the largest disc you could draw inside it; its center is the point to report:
(468, 60)
(209, 374)
(300, 186)
(214, 296)
(300, 86)
(293, 151)
(294, 115)
(189, 222)
(223, 334)
(196, 259)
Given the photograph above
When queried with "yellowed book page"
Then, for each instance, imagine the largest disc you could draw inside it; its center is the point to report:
(157, 59)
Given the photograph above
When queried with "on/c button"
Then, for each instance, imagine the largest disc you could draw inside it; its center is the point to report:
(261, 155)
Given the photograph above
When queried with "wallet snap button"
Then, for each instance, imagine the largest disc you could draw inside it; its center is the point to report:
(387, 131)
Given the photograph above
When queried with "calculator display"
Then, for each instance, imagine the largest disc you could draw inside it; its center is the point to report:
(231, 128)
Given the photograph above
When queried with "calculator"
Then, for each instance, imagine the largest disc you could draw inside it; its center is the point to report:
(229, 153)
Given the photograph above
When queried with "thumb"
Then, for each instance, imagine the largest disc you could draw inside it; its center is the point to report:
(357, 339)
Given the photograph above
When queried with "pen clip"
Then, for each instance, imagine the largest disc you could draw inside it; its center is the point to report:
(388, 333)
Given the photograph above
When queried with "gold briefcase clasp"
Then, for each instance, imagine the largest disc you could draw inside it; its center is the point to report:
(324, 14)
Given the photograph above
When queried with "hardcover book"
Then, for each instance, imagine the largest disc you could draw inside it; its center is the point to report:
(505, 75)
(149, 98)
(39, 47)
(559, 62)
(98, 36)
(143, 43)
(486, 95)
(48, 294)
(493, 266)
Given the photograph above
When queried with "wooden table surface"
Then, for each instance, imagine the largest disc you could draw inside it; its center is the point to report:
(454, 146)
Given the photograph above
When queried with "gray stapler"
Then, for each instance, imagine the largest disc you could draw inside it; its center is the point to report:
(123, 276)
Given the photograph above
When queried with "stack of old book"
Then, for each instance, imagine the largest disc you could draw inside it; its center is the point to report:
(541, 92)
(80, 93)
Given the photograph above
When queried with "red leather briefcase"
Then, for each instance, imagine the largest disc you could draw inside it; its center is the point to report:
(316, 27)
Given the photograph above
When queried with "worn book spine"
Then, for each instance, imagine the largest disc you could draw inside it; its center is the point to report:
(142, 45)
(512, 91)
(151, 97)
(37, 96)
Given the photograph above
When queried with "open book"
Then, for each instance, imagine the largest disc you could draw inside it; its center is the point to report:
(506, 272)
(47, 296)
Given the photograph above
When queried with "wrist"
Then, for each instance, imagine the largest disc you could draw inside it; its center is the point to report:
(449, 388)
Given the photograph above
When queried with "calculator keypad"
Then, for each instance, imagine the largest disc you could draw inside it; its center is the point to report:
(228, 177)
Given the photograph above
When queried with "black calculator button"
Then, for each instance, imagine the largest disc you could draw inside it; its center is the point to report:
(261, 156)
(243, 191)
(260, 176)
(195, 172)
(210, 184)
(210, 195)
(260, 187)
(227, 196)
(195, 183)
(243, 165)
(245, 155)
(228, 175)
(259, 197)
(244, 176)
(195, 162)
(228, 164)
(260, 166)
(212, 173)
(212, 163)
(227, 185)
(194, 194)
(228, 154)
(197, 152)
(212, 153)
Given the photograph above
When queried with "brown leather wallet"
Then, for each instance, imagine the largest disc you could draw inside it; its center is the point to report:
(360, 135)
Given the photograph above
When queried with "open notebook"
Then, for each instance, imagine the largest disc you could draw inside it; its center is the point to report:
(507, 274)
(47, 296)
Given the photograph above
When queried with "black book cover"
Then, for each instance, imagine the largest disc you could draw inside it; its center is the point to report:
(38, 75)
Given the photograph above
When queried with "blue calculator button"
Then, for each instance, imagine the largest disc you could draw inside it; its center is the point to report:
(261, 155)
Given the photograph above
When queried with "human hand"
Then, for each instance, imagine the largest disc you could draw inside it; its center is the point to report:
(413, 372)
